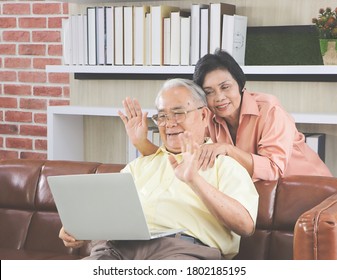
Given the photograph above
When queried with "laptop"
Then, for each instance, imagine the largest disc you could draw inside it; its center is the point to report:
(102, 206)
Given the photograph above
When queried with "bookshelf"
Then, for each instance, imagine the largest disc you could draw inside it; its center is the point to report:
(312, 73)
(66, 129)
(307, 91)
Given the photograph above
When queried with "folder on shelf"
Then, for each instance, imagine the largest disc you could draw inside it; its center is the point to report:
(158, 13)
(66, 41)
(119, 41)
(91, 29)
(234, 34)
(167, 41)
(139, 48)
(128, 35)
(185, 42)
(204, 31)
(100, 35)
(110, 36)
(196, 31)
(216, 12)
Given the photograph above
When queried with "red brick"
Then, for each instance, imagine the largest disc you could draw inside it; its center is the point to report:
(1, 141)
(16, 9)
(19, 143)
(14, 62)
(16, 36)
(8, 102)
(33, 104)
(55, 50)
(58, 78)
(7, 22)
(66, 92)
(33, 22)
(33, 130)
(40, 63)
(65, 7)
(1, 116)
(40, 118)
(18, 116)
(4, 154)
(8, 76)
(40, 145)
(18, 89)
(9, 49)
(59, 102)
(47, 91)
(46, 36)
(32, 49)
(32, 77)
(47, 9)
(55, 22)
(9, 129)
(32, 155)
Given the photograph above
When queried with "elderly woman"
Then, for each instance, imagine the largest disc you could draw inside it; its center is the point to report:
(252, 128)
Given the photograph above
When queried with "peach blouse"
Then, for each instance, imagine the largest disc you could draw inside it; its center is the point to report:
(269, 133)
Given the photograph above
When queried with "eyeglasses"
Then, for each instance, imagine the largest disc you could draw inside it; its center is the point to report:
(178, 116)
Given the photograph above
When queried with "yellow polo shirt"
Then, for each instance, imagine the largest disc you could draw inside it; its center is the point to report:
(170, 203)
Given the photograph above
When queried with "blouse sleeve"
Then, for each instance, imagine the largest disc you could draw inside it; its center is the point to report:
(275, 145)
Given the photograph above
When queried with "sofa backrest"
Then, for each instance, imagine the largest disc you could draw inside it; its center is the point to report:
(28, 216)
(280, 205)
(29, 219)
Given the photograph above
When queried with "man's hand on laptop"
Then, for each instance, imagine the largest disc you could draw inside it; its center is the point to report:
(70, 241)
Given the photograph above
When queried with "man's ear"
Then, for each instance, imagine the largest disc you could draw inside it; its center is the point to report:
(205, 113)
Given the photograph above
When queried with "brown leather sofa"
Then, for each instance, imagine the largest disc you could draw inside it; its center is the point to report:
(296, 219)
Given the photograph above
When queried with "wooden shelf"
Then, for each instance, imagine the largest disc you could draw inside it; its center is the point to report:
(253, 73)
(65, 127)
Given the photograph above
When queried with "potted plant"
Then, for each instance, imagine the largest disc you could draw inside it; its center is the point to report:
(326, 24)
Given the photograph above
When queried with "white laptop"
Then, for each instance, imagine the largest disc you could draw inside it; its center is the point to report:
(102, 206)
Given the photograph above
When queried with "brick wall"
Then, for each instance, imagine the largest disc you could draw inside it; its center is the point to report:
(30, 39)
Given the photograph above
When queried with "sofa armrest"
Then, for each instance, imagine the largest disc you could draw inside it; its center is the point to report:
(315, 233)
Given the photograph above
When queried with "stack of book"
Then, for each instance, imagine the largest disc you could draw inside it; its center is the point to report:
(153, 35)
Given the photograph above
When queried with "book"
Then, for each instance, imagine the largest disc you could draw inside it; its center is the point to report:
(74, 35)
(240, 38)
(148, 39)
(167, 41)
(316, 141)
(109, 33)
(119, 34)
(234, 34)
(216, 12)
(175, 38)
(176, 35)
(227, 38)
(139, 47)
(196, 31)
(66, 41)
(128, 35)
(158, 13)
(91, 30)
(185, 41)
(81, 39)
(204, 31)
(85, 39)
(100, 36)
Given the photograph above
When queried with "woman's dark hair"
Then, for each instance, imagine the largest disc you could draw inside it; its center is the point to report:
(219, 60)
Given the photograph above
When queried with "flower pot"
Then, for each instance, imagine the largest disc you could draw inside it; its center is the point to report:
(329, 51)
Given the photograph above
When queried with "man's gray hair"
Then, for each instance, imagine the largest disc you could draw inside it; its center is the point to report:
(198, 95)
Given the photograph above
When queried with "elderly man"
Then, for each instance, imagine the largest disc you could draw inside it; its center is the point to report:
(216, 206)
